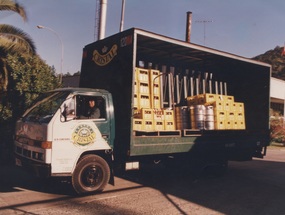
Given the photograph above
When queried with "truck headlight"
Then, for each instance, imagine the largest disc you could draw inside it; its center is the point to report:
(46, 144)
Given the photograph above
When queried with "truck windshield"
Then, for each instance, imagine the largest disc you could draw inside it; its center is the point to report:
(45, 107)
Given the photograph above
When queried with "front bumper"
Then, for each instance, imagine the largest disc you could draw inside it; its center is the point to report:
(34, 167)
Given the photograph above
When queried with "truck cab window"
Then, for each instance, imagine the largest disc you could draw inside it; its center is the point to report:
(91, 107)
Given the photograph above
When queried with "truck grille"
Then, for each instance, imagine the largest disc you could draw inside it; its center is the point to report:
(29, 153)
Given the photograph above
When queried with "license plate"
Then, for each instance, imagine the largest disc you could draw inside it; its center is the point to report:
(18, 162)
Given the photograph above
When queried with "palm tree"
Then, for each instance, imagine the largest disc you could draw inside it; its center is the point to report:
(12, 6)
(12, 40)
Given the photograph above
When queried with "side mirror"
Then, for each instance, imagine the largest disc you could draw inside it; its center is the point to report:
(66, 114)
(67, 110)
(63, 113)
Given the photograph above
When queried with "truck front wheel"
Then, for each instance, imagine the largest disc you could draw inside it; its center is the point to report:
(91, 174)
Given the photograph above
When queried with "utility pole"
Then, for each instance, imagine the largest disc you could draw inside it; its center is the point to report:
(204, 22)
(122, 16)
(97, 20)
(100, 19)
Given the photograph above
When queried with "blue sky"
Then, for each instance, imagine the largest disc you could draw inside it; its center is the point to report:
(243, 27)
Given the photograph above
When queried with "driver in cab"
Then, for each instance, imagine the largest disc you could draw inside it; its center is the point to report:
(93, 112)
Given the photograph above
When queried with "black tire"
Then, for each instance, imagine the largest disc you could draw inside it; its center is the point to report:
(91, 174)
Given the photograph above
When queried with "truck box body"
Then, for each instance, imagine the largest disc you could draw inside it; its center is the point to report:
(112, 64)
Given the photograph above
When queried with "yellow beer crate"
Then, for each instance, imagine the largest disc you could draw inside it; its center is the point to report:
(220, 115)
(159, 125)
(143, 88)
(235, 125)
(220, 125)
(136, 87)
(206, 98)
(231, 116)
(241, 125)
(169, 125)
(155, 89)
(155, 102)
(227, 106)
(137, 124)
(153, 73)
(238, 106)
(148, 125)
(168, 115)
(218, 105)
(239, 116)
(158, 114)
(229, 125)
(142, 75)
(143, 101)
(225, 98)
(230, 99)
(136, 103)
(145, 113)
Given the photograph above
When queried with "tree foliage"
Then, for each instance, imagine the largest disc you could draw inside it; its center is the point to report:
(277, 131)
(28, 77)
(12, 40)
(15, 40)
(31, 74)
(12, 6)
(23, 75)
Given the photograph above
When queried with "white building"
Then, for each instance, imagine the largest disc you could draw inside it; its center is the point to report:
(277, 95)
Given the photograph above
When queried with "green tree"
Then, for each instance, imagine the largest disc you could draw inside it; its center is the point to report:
(29, 76)
(13, 6)
(23, 76)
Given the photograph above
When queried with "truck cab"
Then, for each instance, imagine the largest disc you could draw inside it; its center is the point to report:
(57, 133)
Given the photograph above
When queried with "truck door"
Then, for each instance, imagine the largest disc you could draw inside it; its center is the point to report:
(75, 132)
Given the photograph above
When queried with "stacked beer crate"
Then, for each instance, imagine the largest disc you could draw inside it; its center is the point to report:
(149, 115)
(228, 114)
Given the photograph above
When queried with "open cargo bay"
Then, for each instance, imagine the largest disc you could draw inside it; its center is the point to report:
(185, 71)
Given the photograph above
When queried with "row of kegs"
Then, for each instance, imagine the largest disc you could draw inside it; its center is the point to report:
(195, 117)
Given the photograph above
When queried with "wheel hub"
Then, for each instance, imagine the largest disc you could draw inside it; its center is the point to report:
(92, 176)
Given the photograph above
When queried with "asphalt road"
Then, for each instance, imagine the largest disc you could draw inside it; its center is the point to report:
(248, 188)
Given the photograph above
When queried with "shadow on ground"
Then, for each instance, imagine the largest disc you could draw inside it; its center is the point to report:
(254, 187)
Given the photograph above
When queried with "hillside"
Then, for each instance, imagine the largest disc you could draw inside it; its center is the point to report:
(276, 59)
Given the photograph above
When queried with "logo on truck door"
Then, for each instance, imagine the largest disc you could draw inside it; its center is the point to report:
(83, 135)
(104, 59)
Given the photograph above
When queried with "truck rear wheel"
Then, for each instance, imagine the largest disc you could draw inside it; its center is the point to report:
(91, 174)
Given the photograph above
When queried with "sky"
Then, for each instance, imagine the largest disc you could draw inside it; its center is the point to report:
(243, 27)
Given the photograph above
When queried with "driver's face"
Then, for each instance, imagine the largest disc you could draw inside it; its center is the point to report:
(92, 103)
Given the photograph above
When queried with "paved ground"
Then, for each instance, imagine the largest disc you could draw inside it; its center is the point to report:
(248, 188)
